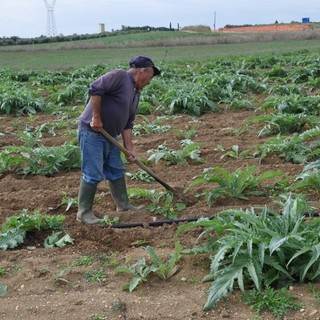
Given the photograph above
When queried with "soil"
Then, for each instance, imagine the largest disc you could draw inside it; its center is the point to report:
(45, 283)
(269, 28)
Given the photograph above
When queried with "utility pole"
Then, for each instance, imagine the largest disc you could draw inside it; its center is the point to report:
(51, 23)
(214, 21)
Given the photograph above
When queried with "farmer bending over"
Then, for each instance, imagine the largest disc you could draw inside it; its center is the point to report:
(114, 98)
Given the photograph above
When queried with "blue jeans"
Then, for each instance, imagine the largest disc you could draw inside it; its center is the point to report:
(100, 159)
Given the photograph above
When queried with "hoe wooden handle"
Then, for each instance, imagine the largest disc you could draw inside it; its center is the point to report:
(139, 163)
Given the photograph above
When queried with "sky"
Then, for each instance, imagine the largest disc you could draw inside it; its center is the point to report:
(28, 18)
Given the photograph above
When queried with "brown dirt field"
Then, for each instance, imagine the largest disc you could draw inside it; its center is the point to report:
(41, 284)
(269, 28)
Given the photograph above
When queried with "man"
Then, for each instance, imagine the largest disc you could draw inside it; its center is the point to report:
(113, 103)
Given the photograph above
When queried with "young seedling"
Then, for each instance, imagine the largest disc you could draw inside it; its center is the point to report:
(142, 269)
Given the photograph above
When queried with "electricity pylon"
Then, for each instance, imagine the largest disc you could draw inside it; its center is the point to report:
(51, 23)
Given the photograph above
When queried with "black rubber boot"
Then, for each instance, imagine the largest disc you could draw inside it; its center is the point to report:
(87, 192)
(120, 196)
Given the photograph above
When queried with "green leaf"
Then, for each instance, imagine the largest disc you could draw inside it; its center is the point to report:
(224, 282)
(276, 243)
(314, 258)
(298, 253)
(134, 283)
(153, 255)
(55, 241)
(219, 255)
(253, 275)
(12, 238)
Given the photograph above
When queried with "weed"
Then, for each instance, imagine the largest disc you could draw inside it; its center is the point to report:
(278, 302)
(109, 260)
(95, 276)
(237, 132)
(16, 267)
(68, 201)
(140, 243)
(3, 271)
(119, 306)
(82, 261)
(186, 134)
(314, 291)
(98, 317)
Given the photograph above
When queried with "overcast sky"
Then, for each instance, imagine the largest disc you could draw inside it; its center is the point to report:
(28, 18)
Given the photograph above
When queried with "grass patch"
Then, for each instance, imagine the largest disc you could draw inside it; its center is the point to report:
(161, 46)
(278, 302)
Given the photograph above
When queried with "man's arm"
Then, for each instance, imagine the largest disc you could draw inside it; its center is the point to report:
(96, 123)
(127, 142)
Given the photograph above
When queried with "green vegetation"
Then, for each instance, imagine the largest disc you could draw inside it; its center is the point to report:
(297, 148)
(309, 179)
(56, 240)
(110, 220)
(238, 184)
(95, 276)
(190, 152)
(162, 202)
(140, 175)
(162, 46)
(278, 302)
(259, 247)
(13, 231)
(148, 127)
(141, 270)
(40, 160)
(234, 152)
(285, 123)
(3, 271)
(83, 261)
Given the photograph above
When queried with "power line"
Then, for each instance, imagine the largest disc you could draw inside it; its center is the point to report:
(51, 23)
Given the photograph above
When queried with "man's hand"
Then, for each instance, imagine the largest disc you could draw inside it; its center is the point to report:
(127, 142)
(96, 124)
(132, 157)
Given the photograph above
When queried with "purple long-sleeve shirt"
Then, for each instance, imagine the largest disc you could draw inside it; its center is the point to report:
(119, 101)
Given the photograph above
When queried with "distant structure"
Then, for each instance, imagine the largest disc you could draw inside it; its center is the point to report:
(214, 21)
(51, 23)
(102, 28)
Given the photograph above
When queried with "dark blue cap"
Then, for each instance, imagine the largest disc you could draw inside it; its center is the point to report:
(143, 62)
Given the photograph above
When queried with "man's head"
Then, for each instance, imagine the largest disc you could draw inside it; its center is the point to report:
(143, 70)
(144, 62)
